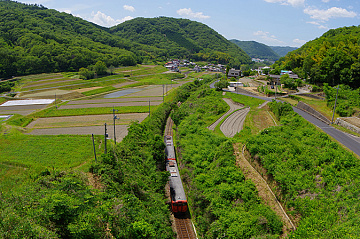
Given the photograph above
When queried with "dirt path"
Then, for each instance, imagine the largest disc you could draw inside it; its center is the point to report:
(233, 107)
(265, 192)
(234, 123)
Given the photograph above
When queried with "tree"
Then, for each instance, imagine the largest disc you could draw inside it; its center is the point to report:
(100, 68)
(266, 71)
(288, 82)
(85, 74)
(221, 84)
(111, 69)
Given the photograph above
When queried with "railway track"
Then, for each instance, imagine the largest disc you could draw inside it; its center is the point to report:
(169, 126)
(184, 228)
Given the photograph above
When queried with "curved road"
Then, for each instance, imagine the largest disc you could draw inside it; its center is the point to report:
(349, 141)
(234, 123)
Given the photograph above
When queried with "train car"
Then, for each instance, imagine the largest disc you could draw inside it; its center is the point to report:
(169, 150)
(177, 192)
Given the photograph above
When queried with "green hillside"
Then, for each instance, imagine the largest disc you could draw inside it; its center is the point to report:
(333, 58)
(34, 39)
(257, 50)
(282, 50)
(182, 38)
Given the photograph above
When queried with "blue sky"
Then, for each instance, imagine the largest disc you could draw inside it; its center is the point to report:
(272, 22)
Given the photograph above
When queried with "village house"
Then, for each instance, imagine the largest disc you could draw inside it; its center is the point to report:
(234, 73)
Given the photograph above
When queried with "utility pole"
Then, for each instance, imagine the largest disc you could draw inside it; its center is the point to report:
(92, 135)
(55, 101)
(337, 92)
(115, 118)
(105, 136)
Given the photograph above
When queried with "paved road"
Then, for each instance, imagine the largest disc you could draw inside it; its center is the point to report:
(234, 123)
(349, 141)
(233, 107)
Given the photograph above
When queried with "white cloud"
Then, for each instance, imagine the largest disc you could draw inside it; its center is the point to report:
(325, 15)
(320, 26)
(129, 8)
(293, 3)
(326, 1)
(103, 20)
(267, 37)
(299, 42)
(187, 12)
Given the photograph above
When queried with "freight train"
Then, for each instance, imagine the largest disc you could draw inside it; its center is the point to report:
(177, 193)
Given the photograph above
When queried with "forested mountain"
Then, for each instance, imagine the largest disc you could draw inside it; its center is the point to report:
(34, 39)
(333, 58)
(282, 50)
(182, 38)
(257, 50)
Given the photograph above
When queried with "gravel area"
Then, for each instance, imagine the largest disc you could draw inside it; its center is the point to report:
(12, 112)
(85, 120)
(146, 103)
(234, 123)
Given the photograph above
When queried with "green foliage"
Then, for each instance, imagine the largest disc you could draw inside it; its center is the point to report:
(245, 100)
(318, 179)
(19, 120)
(333, 58)
(133, 184)
(257, 50)
(348, 99)
(34, 39)
(181, 38)
(280, 108)
(222, 202)
(221, 84)
(282, 50)
(315, 88)
(100, 68)
(59, 203)
(288, 82)
(6, 86)
(86, 74)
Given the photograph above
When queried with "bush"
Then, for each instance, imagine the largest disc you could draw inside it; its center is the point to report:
(221, 84)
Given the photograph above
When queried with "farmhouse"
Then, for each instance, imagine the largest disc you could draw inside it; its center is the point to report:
(234, 73)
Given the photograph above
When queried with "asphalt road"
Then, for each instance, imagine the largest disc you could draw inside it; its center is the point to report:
(349, 141)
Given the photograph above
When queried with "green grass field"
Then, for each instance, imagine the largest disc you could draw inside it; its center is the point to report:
(25, 156)
(245, 100)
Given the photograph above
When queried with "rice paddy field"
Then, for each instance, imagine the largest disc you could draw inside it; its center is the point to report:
(58, 135)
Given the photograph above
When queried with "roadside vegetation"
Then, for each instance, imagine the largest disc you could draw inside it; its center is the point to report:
(316, 178)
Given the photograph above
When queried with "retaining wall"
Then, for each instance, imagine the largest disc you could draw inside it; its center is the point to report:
(301, 105)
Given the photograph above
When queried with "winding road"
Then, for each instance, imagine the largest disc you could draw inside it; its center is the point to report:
(349, 141)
